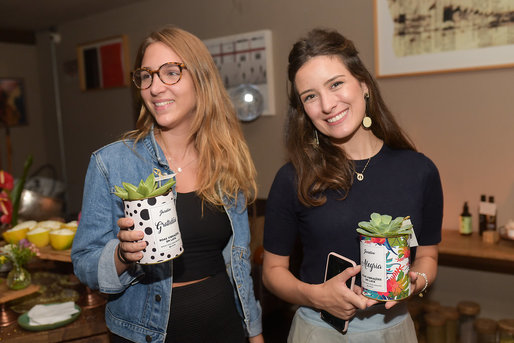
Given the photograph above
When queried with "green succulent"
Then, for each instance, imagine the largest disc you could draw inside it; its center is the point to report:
(384, 226)
(146, 189)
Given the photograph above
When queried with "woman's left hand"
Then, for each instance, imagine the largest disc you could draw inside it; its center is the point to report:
(426, 261)
(256, 339)
(413, 279)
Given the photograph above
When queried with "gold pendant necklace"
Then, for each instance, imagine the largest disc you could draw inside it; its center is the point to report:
(180, 169)
(360, 176)
(168, 157)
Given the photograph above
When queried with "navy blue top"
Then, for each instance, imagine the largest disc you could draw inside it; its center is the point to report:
(396, 182)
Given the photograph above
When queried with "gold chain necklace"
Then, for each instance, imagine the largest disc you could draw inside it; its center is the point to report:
(360, 176)
(180, 169)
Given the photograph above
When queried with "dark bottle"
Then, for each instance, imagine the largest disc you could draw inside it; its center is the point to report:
(465, 227)
(490, 219)
(481, 216)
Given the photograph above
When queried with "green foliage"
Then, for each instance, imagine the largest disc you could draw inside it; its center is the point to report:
(18, 188)
(384, 226)
(19, 254)
(146, 189)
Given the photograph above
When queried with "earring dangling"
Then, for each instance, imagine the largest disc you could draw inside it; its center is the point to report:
(316, 138)
(366, 121)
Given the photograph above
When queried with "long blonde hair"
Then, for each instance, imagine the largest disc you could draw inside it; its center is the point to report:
(225, 165)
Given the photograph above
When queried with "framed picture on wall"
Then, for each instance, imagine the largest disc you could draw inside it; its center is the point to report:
(103, 64)
(12, 102)
(422, 37)
(246, 58)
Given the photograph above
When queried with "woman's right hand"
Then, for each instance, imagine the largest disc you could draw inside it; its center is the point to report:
(335, 297)
(332, 296)
(131, 243)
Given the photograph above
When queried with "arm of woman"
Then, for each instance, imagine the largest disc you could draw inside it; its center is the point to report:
(426, 262)
(427, 254)
(95, 244)
(256, 339)
(333, 296)
(95, 232)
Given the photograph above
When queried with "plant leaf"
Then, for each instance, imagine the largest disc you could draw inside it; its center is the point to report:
(121, 192)
(150, 183)
(18, 188)
(364, 232)
(123, 195)
(375, 218)
(143, 189)
(132, 191)
(386, 219)
(366, 225)
(163, 189)
(397, 221)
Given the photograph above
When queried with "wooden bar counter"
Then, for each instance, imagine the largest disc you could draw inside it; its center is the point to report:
(471, 252)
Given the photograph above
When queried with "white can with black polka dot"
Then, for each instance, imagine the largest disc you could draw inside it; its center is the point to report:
(157, 218)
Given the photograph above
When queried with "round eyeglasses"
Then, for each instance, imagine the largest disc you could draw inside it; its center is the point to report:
(169, 73)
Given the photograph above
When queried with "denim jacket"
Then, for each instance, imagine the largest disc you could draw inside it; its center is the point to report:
(139, 299)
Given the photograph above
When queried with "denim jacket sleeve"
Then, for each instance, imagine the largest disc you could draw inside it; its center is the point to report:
(237, 256)
(95, 241)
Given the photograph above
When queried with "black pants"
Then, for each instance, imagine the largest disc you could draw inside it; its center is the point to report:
(203, 312)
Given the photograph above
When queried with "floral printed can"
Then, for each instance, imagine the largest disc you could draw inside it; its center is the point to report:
(157, 218)
(385, 267)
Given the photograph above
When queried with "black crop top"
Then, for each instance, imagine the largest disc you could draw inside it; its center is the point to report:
(203, 238)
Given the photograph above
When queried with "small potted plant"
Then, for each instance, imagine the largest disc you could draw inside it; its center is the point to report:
(385, 252)
(18, 255)
(152, 207)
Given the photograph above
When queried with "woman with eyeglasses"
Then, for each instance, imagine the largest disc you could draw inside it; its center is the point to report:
(187, 127)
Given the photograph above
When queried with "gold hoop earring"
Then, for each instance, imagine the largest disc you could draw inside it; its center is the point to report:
(366, 121)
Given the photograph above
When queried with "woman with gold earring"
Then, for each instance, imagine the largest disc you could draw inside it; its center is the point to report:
(360, 162)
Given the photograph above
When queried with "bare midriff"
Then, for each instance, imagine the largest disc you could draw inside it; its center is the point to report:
(181, 284)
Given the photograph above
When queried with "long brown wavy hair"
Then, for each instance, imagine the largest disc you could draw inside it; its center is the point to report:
(225, 165)
(326, 166)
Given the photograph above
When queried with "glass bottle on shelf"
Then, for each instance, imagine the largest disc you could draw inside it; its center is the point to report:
(486, 330)
(481, 216)
(465, 226)
(491, 218)
(468, 311)
(428, 306)
(506, 330)
(436, 332)
(451, 316)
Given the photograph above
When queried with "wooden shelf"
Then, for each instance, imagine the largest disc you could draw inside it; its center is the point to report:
(7, 294)
(48, 253)
(471, 252)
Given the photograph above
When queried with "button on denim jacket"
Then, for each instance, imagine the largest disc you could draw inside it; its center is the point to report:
(139, 299)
